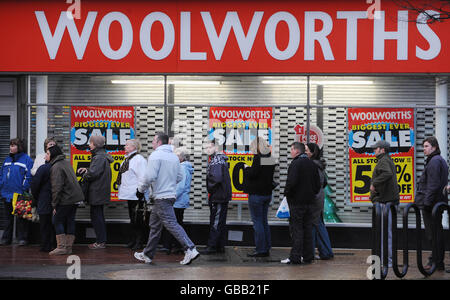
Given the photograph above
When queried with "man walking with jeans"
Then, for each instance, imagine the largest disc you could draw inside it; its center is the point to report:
(163, 173)
(302, 185)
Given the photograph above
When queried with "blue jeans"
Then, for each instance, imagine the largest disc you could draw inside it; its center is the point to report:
(64, 219)
(259, 207)
(320, 236)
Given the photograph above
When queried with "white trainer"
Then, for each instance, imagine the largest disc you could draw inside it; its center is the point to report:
(142, 257)
(286, 261)
(189, 256)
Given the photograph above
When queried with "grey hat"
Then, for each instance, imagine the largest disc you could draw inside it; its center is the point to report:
(382, 144)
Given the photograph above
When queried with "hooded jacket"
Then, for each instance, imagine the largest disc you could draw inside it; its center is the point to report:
(99, 177)
(15, 175)
(65, 187)
(184, 186)
(218, 181)
(433, 180)
(384, 179)
(163, 173)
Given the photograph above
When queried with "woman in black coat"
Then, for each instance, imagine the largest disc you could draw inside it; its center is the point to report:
(99, 193)
(258, 184)
(41, 190)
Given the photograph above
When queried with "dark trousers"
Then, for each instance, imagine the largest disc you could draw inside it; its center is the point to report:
(217, 225)
(64, 219)
(167, 239)
(98, 222)
(438, 254)
(22, 225)
(300, 226)
(48, 241)
(137, 229)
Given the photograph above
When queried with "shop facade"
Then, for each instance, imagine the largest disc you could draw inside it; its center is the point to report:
(172, 62)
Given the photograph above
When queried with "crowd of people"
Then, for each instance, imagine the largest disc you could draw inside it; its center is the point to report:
(165, 178)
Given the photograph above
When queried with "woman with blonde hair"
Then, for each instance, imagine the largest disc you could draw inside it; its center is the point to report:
(131, 169)
(258, 181)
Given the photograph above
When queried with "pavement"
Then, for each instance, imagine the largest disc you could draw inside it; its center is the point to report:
(117, 263)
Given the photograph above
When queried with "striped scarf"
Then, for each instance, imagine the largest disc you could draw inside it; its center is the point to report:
(124, 167)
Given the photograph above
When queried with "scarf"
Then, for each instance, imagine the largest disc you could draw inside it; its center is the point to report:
(124, 167)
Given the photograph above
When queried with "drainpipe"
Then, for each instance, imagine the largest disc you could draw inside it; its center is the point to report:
(41, 112)
(441, 124)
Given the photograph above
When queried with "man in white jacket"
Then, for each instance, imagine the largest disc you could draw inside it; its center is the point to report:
(163, 173)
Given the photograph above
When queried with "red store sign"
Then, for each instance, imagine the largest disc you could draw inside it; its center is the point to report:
(219, 37)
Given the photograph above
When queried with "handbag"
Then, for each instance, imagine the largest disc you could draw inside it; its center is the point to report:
(283, 210)
(23, 206)
(84, 184)
(141, 215)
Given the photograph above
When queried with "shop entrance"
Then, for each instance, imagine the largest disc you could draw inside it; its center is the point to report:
(8, 126)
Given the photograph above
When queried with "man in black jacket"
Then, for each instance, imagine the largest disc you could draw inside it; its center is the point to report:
(429, 192)
(302, 185)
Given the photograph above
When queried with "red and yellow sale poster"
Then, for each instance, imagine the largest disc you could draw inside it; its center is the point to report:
(234, 129)
(115, 123)
(366, 126)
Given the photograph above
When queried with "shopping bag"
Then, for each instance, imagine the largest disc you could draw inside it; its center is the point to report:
(283, 209)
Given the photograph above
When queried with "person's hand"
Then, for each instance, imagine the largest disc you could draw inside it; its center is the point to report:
(81, 171)
(54, 211)
(372, 188)
(139, 195)
(448, 189)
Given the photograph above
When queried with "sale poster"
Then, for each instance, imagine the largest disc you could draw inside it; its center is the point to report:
(115, 123)
(234, 129)
(366, 126)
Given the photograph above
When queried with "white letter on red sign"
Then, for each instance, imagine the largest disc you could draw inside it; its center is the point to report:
(352, 31)
(321, 36)
(145, 36)
(185, 39)
(270, 35)
(127, 35)
(232, 21)
(52, 42)
(401, 35)
(429, 35)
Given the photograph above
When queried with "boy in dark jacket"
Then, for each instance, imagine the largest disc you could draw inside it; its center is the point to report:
(41, 189)
(218, 183)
